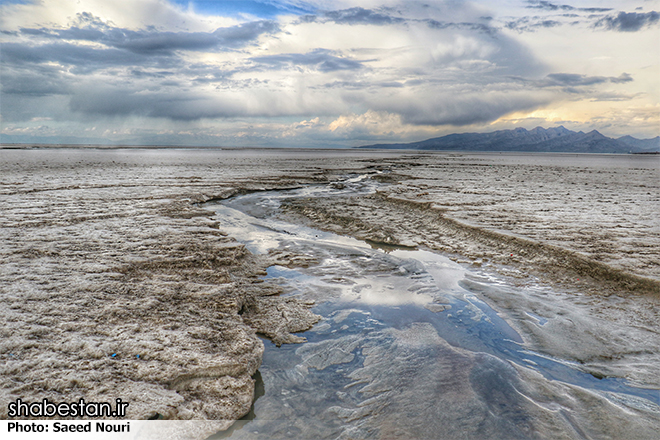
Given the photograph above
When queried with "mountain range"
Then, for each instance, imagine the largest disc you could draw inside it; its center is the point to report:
(556, 139)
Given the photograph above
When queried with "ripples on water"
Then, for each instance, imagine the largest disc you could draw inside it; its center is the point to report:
(406, 349)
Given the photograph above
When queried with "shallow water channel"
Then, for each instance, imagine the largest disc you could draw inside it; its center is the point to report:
(406, 347)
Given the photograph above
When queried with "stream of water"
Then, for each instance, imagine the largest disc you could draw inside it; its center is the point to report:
(406, 347)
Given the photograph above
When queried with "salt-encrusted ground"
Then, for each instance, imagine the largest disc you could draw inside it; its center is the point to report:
(114, 284)
(107, 253)
(586, 227)
(602, 207)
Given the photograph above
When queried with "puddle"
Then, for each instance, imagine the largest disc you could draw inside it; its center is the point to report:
(398, 323)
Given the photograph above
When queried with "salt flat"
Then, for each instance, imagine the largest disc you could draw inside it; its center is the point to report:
(116, 282)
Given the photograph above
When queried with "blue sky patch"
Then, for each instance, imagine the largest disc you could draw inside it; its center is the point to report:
(262, 9)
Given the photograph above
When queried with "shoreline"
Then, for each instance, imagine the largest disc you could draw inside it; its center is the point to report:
(110, 147)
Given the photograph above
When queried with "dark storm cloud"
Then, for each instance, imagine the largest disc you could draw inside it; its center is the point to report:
(320, 59)
(101, 102)
(629, 21)
(549, 6)
(161, 42)
(150, 41)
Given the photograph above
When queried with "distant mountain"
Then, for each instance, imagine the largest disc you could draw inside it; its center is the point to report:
(540, 139)
(641, 144)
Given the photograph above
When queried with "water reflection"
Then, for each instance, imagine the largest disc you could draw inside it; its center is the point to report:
(406, 348)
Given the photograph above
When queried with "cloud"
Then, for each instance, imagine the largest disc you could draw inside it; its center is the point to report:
(527, 24)
(553, 15)
(85, 58)
(113, 102)
(354, 16)
(124, 14)
(480, 27)
(54, 60)
(614, 97)
(41, 81)
(369, 123)
(629, 21)
(361, 16)
(146, 42)
(390, 16)
(117, 72)
(367, 69)
(356, 129)
(363, 85)
(320, 59)
(93, 102)
(435, 108)
(572, 79)
(574, 84)
(549, 6)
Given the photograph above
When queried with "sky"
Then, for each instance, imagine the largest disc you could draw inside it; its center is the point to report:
(321, 73)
